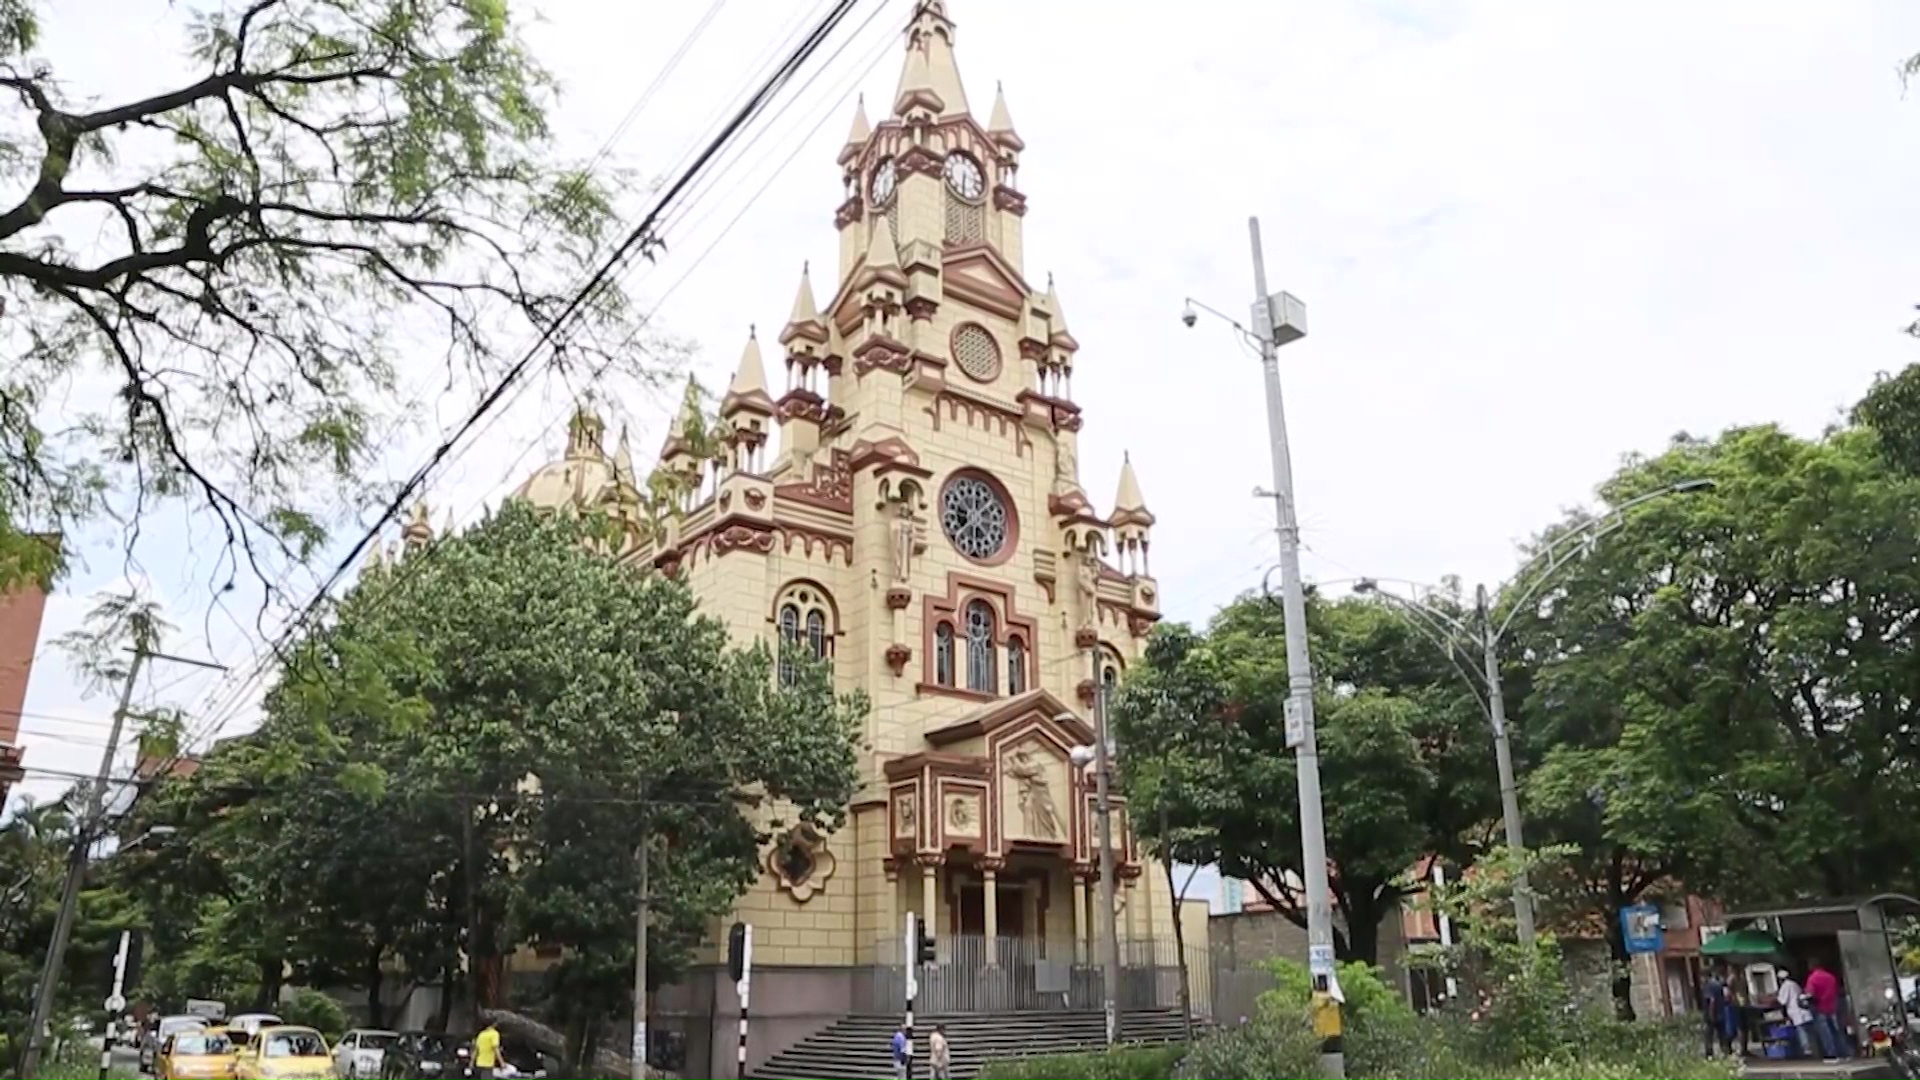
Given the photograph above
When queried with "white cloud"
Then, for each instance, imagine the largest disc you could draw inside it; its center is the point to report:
(1531, 237)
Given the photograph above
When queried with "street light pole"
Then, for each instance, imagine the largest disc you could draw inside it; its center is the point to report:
(1103, 809)
(1503, 761)
(1313, 840)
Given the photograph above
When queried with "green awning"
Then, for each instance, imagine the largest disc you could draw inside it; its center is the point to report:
(1745, 945)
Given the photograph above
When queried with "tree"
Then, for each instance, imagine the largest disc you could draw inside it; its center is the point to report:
(1201, 722)
(464, 762)
(331, 183)
(1722, 692)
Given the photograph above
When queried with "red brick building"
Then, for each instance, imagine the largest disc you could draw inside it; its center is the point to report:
(20, 614)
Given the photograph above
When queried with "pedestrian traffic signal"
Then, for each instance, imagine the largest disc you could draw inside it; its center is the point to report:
(737, 952)
(923, 951)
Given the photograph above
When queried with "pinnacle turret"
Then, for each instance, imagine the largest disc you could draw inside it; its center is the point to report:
(805, 320)
(862, 131)
(748, 391)
(1000, 124)
(930, 78)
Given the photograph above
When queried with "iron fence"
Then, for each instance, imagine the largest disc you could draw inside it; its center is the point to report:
(975, 974)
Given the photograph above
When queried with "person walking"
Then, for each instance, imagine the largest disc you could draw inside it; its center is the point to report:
(902, 1054)
(486, 1052)
(939, 1058)
(1793, 998)
(1716, 1009)
(1824, 990)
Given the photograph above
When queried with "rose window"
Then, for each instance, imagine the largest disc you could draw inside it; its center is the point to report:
(976, 352)
(974, 517)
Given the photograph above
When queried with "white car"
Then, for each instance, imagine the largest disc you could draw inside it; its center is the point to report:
(241, 1029)
(359, 1053)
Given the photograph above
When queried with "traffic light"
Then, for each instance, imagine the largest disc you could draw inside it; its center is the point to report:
(923, 951)
(737, 952)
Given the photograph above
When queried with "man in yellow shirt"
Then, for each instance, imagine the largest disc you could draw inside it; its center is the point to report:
(486, 1051)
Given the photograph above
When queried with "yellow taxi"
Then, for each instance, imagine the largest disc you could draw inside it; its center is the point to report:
(285, 1052)
(203, 1054)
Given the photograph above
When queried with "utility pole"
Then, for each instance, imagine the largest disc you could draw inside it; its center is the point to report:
(640, 957)
(1103, 808)
(83, 838)
(1503, 761)
(1268, 323)
(116, 1001)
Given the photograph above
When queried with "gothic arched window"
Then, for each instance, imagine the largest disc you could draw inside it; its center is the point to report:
(1110, 677)
(806, 623)
(1016, 665)
(980, 666)
(817, 634)
(789, 641)
(943, 654)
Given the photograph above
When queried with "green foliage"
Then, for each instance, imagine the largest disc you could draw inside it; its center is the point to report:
(463, 762)
(317, 1011)
(1120, 1063)
(1403, 753)
(1891, 409)
(1369, 998)
(1273, 1045)
(328, 182)
(1733, 671)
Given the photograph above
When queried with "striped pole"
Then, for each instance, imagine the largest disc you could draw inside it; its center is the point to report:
(913, 983)
(745, 987)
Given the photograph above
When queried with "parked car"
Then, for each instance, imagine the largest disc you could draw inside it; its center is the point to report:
(416, 1055)
(241, 1029)
(158, 1034)
(195, 1054)
(285, 1052)
(358, 1054)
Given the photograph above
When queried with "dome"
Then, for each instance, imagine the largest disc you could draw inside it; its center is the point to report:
(584, 477)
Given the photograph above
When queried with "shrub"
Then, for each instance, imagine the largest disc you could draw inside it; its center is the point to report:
(1121, 1063)
(1275, 1044)
(313, 1009)
(1368, 997)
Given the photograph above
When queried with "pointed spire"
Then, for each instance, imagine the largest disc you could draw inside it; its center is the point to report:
(1000, 124)
(623, 462)
(584, 432)
(376, 557)
(883, 252)
(748, 391)
(686, 422)
(1128, 497)
(862, 131)
(804, 310)
(1057, 318)
(930, 77)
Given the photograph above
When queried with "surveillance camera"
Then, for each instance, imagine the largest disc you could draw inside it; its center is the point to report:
(1189, 316)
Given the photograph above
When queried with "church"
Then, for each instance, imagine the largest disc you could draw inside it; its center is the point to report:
(892, 483)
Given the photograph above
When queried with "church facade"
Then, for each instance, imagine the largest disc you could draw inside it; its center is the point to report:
(892, 484)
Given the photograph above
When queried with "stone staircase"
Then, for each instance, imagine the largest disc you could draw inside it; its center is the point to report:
(856, 1048)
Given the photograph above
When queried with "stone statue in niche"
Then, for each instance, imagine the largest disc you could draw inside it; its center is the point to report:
(903, 541)
(1066, 466)
(1035, 793)
(1087, 581)
(903, 816)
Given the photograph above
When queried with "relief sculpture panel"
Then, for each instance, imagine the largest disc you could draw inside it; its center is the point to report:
(1033, 784)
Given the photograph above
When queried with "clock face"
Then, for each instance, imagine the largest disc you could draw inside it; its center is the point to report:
(880, 188)
(963, 176)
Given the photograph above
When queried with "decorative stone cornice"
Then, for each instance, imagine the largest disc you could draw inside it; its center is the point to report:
(801, 404)
(1005, 198)
(930, 860)
(991, 864)
(850, 211)
(897, 658)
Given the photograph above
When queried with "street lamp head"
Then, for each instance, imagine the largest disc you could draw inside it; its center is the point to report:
(1081, 756)
(1366, 585)
(1189, 316)
(163, 830)
(1702, 484)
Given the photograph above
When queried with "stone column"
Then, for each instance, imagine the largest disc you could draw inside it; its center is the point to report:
(891, 924)
(1080, 932)
(1134, 892)
(930, 892)
(990, 904)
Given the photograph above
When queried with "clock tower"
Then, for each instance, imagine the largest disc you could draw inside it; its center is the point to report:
(900, 494)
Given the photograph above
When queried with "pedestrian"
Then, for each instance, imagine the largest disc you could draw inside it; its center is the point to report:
(902, 1054)
(1793, 998)
(939, 1059)
(1824, 990)
(1716, 1009)
(486, 1051)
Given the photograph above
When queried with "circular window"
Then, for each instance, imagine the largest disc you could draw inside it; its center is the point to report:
(976, 352)
(974, 517)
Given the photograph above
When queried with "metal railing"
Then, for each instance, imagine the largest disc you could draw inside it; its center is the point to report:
(974, 974)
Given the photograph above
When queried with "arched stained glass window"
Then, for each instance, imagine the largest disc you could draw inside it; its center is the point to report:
(1016, 666)
(943, 654)
(981, 675)
(789, 640)
(817, 634)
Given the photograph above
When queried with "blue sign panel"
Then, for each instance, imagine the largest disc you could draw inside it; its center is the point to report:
(1640, 925)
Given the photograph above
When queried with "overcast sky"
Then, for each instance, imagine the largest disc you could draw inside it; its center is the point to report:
(1531, 237)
